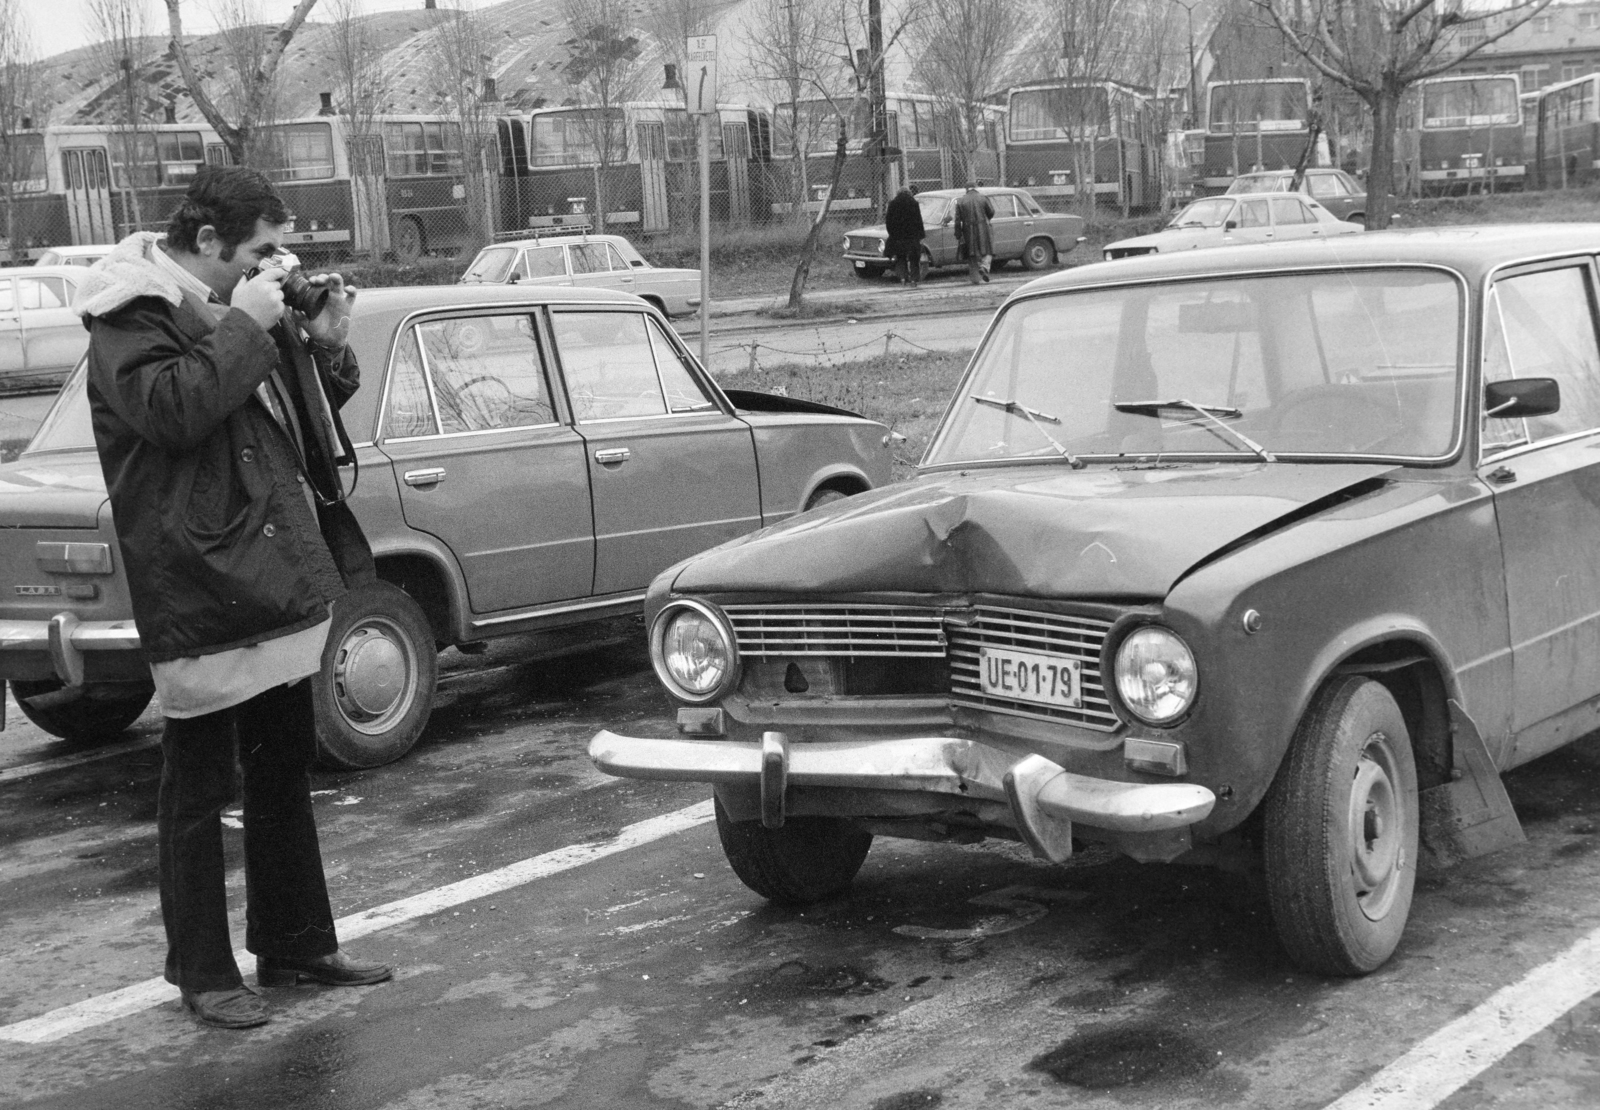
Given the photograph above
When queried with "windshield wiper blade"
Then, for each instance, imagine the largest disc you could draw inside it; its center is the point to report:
(1206, 412)
(1035, 417)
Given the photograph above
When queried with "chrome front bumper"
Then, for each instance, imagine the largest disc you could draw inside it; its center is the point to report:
(1043, 798)
(66, 638)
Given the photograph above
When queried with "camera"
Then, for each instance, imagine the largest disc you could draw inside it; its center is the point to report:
(298, 293)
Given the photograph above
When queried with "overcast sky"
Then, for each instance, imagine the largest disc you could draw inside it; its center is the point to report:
(59, 25)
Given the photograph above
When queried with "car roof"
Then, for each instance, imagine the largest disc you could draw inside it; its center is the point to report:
(83, 248)
(1471, 251)
(986, 190)
(76, 273)
(1263, 195)
(556, 241)
(1280, 173)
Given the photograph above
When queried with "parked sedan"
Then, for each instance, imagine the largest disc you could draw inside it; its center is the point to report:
(1023, 231)
(41, 339)
(1281, 569)
(1334, 189)
(527, 458)
(1229, 221)
(86, 254)
(586, 261)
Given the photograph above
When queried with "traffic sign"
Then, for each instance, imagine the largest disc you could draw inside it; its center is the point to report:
(700, 83)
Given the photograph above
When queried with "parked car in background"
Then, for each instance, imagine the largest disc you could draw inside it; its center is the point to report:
(86, 255)
(528, 458)
(1227, 221)
(1334, 189)
(586, 261)
(41, 338)
(1023, 232)
(1281, 568)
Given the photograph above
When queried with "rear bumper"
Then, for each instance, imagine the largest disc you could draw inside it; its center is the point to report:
(1041, 799)
(71, 650)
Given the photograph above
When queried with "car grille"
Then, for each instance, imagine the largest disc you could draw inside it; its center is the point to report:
(844, 630)
(865, 244)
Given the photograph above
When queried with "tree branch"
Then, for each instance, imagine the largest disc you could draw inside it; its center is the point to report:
(197, 93)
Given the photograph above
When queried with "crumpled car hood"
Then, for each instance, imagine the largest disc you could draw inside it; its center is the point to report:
(52, 491)
(1026, 531)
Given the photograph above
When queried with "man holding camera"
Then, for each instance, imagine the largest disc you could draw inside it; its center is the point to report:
(215, 412)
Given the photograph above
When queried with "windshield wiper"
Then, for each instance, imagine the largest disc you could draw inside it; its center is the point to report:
(1034, 417)
(1206, 412)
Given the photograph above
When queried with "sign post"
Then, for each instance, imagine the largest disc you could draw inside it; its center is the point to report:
(700, 95)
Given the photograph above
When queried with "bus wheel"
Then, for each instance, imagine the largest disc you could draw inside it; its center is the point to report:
(408, 243)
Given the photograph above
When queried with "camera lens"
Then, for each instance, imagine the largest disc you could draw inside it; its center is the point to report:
(306, 299)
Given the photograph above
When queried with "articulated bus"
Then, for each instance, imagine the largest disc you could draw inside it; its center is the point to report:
(1464, 134)
(919, 151)
(89, 184)
(1109, 125)
(551, 173)
(1567, 150)
(1254, 125)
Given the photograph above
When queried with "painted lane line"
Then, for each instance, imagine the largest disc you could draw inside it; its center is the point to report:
(28, 770)
(129, 1000)
(1457, 1054)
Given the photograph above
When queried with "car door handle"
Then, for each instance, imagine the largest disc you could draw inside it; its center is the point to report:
(429, 477)
(612, 455)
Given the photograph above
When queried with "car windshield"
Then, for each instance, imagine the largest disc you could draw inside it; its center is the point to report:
(66, 426)
(1259, 185)
(1333, 363)
(491, 264)
(1204, 213)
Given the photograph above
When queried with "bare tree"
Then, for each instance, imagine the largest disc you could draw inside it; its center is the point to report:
(462, 62)
(121, 30)
(255, 52)
(603, 65)
(962, 49)
(21, 155)
(1087, 41)
(789, 50)
(1378, 49)
(362, 92)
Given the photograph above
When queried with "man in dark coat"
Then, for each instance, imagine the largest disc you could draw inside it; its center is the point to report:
(903, 221)
(215, 413)
(973, 235)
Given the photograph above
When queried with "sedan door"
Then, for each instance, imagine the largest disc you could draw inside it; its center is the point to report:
(485, 462)
(1254, 217)
(54, 336)
(596, 266)
(1293, 220)
(1006, 226)
(671, 472)
(1332, 193)
(12, 359)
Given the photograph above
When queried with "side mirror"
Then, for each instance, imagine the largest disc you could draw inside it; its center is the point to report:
(1514, 397)
(513, 279)
(1231, 225)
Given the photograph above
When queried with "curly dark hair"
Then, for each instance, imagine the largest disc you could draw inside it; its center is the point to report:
(230, 199)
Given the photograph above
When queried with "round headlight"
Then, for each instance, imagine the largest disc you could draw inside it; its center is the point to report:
(1156, 675)
(847, 242)
(693, 651)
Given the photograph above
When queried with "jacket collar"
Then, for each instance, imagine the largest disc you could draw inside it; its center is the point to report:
(126, 274)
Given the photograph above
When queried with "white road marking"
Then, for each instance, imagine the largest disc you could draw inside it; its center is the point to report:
(106, 1008)
(1457, 1054)
(28, 770)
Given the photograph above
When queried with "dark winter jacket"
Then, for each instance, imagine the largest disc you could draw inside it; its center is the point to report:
(903, 221)
(220, 544)
(973, 234)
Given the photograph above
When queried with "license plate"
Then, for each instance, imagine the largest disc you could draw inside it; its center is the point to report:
(1031, 677)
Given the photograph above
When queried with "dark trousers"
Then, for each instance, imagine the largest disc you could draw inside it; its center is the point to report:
(909, 266)
(287, 896)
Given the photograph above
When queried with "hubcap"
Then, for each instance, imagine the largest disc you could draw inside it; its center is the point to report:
(1376, 825)
(375, 676)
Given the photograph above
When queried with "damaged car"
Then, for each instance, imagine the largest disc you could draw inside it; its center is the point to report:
(1262, 556)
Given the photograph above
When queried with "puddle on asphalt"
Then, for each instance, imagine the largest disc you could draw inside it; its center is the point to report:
(1102, 1057)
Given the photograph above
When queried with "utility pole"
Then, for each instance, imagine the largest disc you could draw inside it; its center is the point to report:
(878, 98)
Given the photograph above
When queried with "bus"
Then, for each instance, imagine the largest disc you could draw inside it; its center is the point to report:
(1464, 134)
(920, 151)
(1261, 124)
(1104, 130)
(551, 175)
(86, 184)
(1567, 129)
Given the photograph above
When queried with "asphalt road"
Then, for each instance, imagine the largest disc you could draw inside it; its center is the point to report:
(567, 940)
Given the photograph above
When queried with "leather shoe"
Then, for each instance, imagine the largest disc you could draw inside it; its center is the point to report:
(335, 969)
(239, 1008)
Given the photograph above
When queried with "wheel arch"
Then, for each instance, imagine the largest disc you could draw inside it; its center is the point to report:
(848, 480)
(655, 301)
(425, 578)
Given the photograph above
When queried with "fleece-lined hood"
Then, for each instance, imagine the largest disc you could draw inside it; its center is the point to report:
(124, 275)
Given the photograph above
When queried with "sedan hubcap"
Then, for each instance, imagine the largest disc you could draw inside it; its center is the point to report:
(1377, 853)
(375, 675)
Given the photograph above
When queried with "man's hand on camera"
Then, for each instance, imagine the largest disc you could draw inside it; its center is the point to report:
(331, 328)
(260, 297)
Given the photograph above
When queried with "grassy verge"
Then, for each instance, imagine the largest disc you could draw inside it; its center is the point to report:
(908, 392)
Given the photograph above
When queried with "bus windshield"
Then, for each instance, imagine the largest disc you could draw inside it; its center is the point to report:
(1259, 105)
(1475, 102)
(1060, 113)
(575, 137)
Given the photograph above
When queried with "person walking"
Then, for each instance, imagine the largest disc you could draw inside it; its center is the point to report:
(215, 413)
(973, 234)
(903, 221)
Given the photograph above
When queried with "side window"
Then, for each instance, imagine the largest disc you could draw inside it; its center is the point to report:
(1005, 206)
(684, 393)
(1287, 210)
(1542, 326)
(541, 262)
(488, 372)
(589, 258)
(8, 296)
(46, 292)
(617, 261)
(610, 368)
(1324, 185)
(410, 411)
(1253, 213)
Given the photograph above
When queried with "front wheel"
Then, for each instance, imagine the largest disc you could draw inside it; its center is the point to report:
(375, 690)
(97, 711)
(1039, 254)
(808, 859)
(1341, 831)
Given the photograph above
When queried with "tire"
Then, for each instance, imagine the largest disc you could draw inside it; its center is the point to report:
(100, 711)
(824, 496)
(375, 690)
(809, 859)
(1039, 254)
(1340, 894)
(409, 243)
